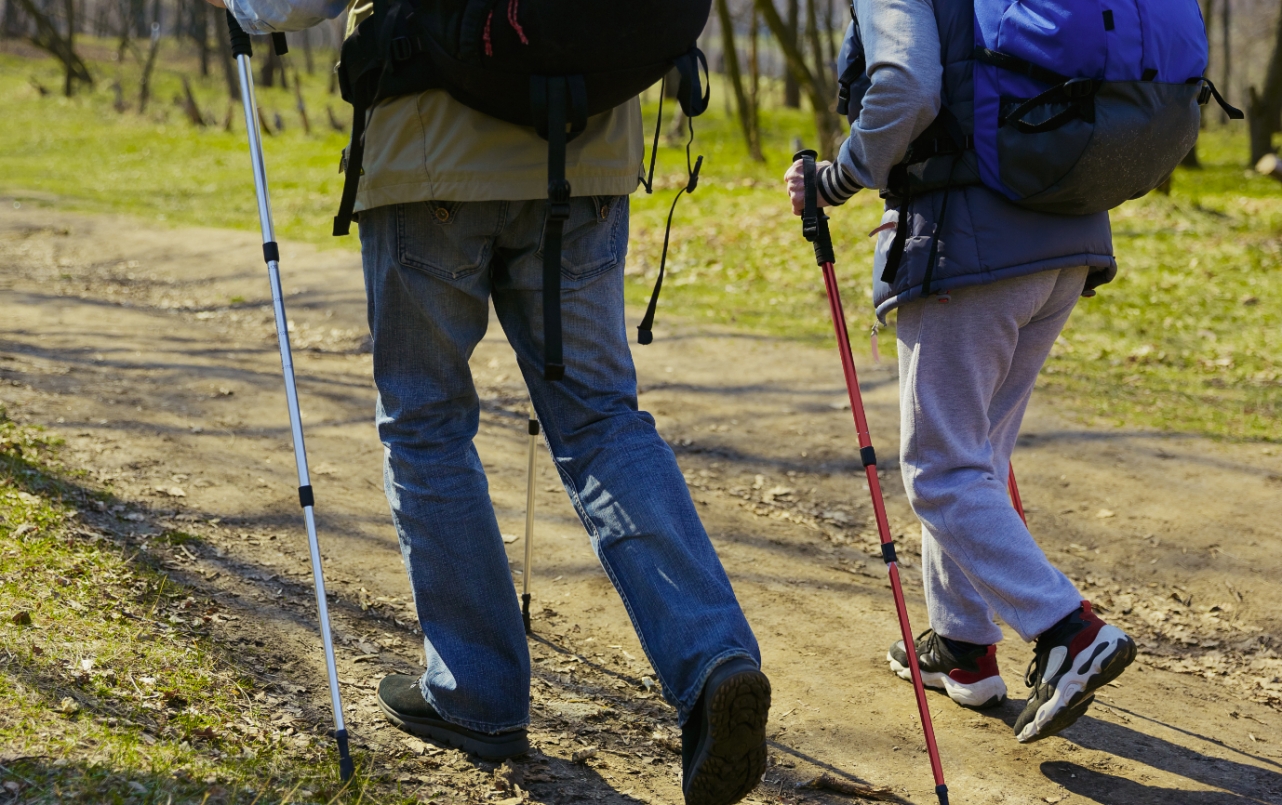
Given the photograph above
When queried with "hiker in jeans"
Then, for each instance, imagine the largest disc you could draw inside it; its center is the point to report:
(452, 206)
(1003, 283)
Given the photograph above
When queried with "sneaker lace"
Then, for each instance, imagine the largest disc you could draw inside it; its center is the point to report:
(1035, 668)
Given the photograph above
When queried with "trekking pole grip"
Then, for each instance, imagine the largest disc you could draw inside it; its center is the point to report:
(241, 45)
(814, 223)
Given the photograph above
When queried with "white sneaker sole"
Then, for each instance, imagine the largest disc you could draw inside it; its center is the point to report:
(984, 693)
(1098, 664)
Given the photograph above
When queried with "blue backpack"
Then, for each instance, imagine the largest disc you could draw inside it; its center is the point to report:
(1079, 105)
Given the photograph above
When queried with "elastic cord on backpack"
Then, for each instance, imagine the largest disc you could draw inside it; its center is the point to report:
(648, 182)
(645, 328)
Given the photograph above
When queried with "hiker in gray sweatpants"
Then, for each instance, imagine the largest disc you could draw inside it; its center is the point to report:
(982, 289)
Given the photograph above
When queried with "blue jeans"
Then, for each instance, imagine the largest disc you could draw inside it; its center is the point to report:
(431, 270)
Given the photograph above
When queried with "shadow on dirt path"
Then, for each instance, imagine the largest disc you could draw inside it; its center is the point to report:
(151, 353)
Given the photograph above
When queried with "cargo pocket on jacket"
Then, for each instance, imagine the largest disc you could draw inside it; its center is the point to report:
(448, 239)
(595, 239)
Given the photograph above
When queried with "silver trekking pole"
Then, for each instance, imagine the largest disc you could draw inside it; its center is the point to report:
(241, 49)
(527, 570)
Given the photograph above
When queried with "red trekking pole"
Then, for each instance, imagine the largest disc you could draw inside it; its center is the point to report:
(1015, 499)
(814, 225)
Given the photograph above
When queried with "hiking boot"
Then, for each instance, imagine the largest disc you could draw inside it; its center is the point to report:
(969, 677)
(1073, 658)
(402, 701)
(723, 743)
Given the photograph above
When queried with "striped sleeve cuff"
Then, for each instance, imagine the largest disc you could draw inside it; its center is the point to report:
(837, 186)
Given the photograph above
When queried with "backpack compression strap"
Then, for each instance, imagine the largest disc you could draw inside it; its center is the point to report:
(554, 99)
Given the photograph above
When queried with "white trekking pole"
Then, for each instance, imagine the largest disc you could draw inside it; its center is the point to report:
(528, 570)
(241, 49)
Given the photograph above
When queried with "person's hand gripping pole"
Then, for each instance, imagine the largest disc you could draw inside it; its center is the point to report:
(241, 49)
(814, 225)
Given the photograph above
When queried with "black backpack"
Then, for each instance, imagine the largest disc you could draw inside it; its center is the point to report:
(548, 64)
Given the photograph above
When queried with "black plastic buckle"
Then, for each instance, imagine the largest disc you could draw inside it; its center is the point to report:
(1079, 88)
(402, 48)
(1204, 95)
(559, 200)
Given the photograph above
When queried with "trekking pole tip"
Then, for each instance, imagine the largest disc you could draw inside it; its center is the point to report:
(346, 768)
(644, 336)
(525, 613)
(942, 792)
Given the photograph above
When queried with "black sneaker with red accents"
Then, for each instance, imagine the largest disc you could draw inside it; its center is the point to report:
(969, 677)
(1072, 660)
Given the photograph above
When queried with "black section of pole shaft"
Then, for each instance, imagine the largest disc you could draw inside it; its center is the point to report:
(346, 768)
(888, 553)
(271, 252)
(240, 41)
(525, 613)
(941, 791)
(280, 44)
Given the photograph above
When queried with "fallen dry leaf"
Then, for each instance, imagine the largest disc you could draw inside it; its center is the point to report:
(68, 706)
(583, 755)
(1104, 514)
(22, 618)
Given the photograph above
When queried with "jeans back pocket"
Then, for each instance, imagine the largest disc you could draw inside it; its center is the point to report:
(449, 239)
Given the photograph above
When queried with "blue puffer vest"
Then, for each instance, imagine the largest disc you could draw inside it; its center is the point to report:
(984, 237)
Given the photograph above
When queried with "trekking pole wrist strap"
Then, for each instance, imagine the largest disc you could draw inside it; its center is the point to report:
(814, 223)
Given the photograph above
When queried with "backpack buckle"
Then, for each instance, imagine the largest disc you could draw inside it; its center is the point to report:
(559, 200)
(1080, 88)
(402, 48)
(1204, 95)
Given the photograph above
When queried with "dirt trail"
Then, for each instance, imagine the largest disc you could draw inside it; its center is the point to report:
(151, 352)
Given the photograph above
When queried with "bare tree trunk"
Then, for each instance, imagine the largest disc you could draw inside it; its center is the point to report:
(817, 49)
(48, 38)
(1208, 18)
(832, 34)
(200, 30)
(144, 86)
(754, 88)
(1226, 33)
(69, 9)
(190, 107)
(224, 56)
(138, 18)
(791, 89)
(306, 34)
(301, 105)
(11, 25)
(825, 121)
(731, 59)
(1264, 109)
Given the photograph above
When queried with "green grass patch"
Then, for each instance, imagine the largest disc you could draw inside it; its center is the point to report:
(1186, 340)
(113, 688)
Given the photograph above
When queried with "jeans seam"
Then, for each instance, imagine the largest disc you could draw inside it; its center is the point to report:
(595, 533)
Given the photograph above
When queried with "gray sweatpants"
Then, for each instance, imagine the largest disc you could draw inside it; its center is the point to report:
(967, 364)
